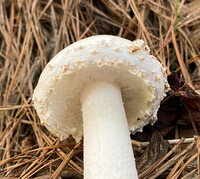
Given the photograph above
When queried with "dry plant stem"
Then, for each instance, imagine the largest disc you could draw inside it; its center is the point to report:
(28, 174)
(34, 165)
(189, 175)
(8, 126)
(176, 175)
(65, 161)
(176, 167)
(171, 142)
(198, 150)
(41, 164)
(14, 107)
(23, 155)
(164, 167)
(12, 150)
(191, 60)
(65, 174)
(62, 155)
(16, 166)
(46, 165)
(86, 30)
(6, 135)
(137, 14)
(157, 164)
(107, 145)
(180, 60)
(26, 39)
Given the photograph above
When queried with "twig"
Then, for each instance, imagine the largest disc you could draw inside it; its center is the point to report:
(171, 142)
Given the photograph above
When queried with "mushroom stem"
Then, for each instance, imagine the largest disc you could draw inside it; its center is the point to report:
(108, 152)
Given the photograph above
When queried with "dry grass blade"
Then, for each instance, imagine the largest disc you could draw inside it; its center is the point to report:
(22, 155)
(171, 142)
(65, 161)
(180, 60)
(176, 175)
(5, 135)
(25, 43)
(181, 161)
(7, 127)
(176, 167)
(189, 175)
(137, 14)
(62, 155)
(28, 173)
(193, 59)
(14, 107)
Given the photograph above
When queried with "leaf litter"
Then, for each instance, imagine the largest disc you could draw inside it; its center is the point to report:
(32, 32)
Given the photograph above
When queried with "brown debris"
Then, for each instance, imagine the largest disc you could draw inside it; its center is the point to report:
(32, 32)
(156, 149)
(190, 109)
(27, 144)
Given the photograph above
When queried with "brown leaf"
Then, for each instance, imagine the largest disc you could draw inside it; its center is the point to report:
(156, 149)
(190, 98)
(27, 144)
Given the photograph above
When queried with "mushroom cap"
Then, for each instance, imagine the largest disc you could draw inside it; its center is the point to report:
(142, 79)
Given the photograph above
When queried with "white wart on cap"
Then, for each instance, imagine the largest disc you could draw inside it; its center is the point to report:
(141, 78)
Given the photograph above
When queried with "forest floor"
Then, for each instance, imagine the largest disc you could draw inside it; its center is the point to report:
(32, 32)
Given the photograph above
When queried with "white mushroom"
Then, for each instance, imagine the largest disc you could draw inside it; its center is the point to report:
(108, 82)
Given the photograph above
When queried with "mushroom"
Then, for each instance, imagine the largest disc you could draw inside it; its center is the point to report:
(103, 86)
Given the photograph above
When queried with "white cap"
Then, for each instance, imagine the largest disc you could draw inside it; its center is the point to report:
(141, 77)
